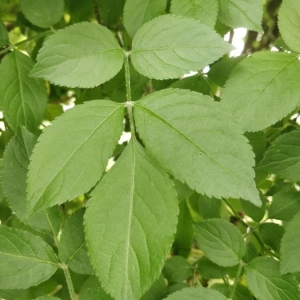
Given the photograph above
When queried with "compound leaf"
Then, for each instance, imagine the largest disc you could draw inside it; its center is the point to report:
(242, 13)
(23, 99)
(71, 248)
(132, 250)
(169, 46)
(283, 157)
(196, 293)
(138, 12)
(82, 55)
(26, 259)
(173, 123)
(290, 255)
(257, 86)
(206, 12)
(220, 241)
(266, 283)
(42, 13)
(79, 144)
(289, 24)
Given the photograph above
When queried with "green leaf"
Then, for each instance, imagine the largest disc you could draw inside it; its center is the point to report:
(258, 142)
(290, 255)
(157, 291)
(71, 248)
(254, 212)
(189, 122)
(206, 12)
(220, 241)
(110, 11)
(209, 270)
(285, 205)
(205, 206)
(13, 181)
(289, 24)
(26, 259)
(242, 293)
(4, 40)
(135, 246)
(23, 99)
(221, 70)
(82, 55)
(271, 235)
(266, 283)
(42, 13)
(196, 83)
(242, 13)
(283, 157)
(79, 12)
(169, 46)
(198, 293)
(184, 233)
(139, 12)
(77, 155)
(94, 294)
(260, 82)
(48, 298)
(177, 269)
(14, 170)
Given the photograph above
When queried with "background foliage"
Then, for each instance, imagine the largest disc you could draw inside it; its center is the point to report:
(124, 175)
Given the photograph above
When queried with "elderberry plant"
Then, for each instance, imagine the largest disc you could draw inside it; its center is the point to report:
(201, 202)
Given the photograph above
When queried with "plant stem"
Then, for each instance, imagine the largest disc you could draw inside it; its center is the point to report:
(69, 281)
(237, 278)
(37, 36)
(127, 77)
(129, 103)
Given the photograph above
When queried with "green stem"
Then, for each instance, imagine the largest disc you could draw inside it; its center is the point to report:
(69, 282)
(37, 36)
(129, 103)
(127, 77)
(236, 280)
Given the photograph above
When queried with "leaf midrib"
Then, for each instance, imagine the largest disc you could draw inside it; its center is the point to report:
(186, 138)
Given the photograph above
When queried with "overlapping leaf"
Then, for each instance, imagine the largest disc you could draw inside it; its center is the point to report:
(128, 233)
(110, 11)
(82, 55)
(3, 35)
(285, 204)
(290, 255)
(198, 293)
(192, 138)
(204, 11)
(138, 12)
(266, 283)
(262, 89)
(220, 241)
(289, 23)
(78, 146)
(22, 99)
(169, 46)
(242, 13)
(283, 157)
(43, 13)
(25, 259)
(13, 180)
(71, 248)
